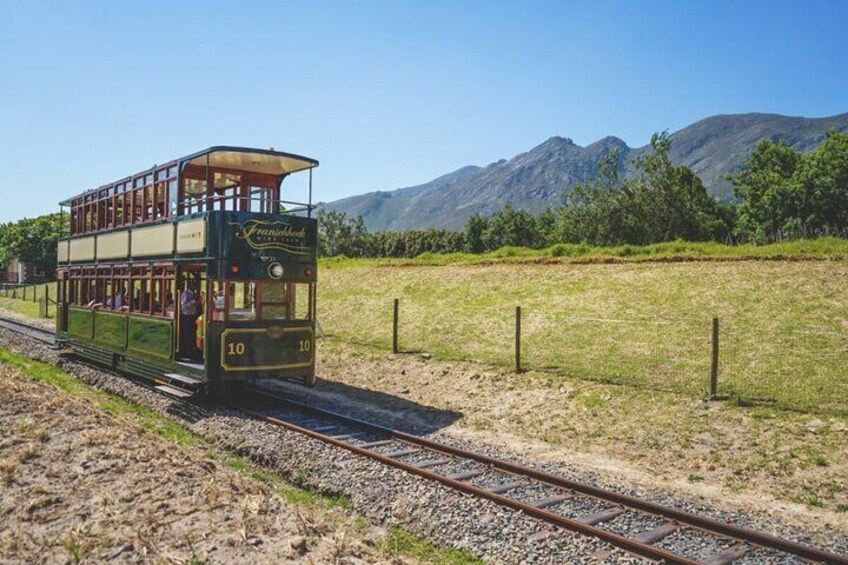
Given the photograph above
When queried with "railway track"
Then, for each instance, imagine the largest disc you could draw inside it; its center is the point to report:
(29, 330)
(572, 505)
(552, 499)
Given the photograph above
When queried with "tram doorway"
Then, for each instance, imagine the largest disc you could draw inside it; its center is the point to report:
(192, 319)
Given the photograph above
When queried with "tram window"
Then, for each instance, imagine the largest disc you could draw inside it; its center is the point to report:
(300, 301)
(172, 197)
(274, 301)
(217, 301)
(149, 201)
(195, 190)
(286, 301)
(170, 305)
(119, 210)
(261, 199)
(242, 301)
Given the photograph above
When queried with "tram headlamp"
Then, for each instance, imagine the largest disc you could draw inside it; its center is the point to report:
(276, 271)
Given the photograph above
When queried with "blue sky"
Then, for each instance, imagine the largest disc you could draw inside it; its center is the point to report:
(385, 94)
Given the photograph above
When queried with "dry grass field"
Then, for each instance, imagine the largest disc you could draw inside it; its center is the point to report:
(784, 324)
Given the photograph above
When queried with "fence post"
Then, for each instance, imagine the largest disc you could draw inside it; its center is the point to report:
(518, 339)
(34, 289)
(714, 363)
(395, 326)
(46, 301)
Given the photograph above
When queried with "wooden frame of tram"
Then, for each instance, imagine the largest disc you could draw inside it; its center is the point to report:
(212, 227)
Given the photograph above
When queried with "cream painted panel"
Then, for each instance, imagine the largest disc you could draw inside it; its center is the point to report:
(156, 240)
(82, 249)
(191, 236)
(113, 245)
(63, 251)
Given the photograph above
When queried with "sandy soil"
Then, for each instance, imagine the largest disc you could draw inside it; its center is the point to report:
(80, 484)
(791, 464)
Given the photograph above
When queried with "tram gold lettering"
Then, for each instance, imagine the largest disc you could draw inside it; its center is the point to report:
(260, 234)
(235, 349)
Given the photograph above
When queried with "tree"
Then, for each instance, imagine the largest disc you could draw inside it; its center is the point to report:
(511, 226)
(475, 228)
(821, 179)
(671, 201)
(33, 240)
(769, 198)
(340, 235)
(594, 212)
(662, 202)
(786, 193)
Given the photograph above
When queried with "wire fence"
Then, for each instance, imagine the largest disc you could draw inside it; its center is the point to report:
(32, 299)
(801, 367)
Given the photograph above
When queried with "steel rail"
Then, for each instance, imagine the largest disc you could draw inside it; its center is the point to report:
(702, 523)
(23, 328)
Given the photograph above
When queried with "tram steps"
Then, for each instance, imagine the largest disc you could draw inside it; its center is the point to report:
(173, 391)
(187, 379)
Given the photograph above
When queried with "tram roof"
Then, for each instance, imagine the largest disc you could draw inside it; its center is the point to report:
(250, 159)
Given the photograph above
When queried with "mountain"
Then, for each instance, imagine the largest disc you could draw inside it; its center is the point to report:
(537, 179)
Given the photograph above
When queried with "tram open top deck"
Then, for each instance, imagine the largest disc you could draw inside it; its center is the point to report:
(211, 226)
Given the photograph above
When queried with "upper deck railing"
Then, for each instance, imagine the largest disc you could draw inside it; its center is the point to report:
(219, 178)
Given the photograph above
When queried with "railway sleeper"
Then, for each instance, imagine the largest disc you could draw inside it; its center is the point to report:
(728, 555)
(653, 536)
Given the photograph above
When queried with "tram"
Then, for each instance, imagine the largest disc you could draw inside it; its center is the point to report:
(194, 274)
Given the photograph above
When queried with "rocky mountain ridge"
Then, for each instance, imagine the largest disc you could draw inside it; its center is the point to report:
(537, 179)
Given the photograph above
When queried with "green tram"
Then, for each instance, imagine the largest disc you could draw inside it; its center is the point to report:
(194, 274)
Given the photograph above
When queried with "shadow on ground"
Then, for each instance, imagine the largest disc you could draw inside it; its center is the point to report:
(372, 406)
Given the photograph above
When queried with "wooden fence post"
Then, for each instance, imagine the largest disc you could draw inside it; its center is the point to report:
(34, 289)
(714, 363)
(395, 326)
(518, 339)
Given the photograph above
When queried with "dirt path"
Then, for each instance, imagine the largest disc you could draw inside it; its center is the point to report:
(81, 484)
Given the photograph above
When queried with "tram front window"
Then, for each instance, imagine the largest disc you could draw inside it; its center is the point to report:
(242, 303)
(268, 300)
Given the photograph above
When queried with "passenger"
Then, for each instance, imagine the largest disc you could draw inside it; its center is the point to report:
(218, 306)
(189, 310)
(118, 301)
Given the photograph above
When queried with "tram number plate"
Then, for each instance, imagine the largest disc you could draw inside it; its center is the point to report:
(236, 348)
(257, 349)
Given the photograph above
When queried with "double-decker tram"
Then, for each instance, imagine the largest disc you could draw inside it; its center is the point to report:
(194, 274)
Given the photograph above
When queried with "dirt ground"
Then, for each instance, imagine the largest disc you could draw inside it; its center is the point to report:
(80, 484)
(759, 458)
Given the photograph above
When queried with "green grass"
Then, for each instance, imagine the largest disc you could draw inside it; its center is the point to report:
(398, 541)
(26, 306)
(783, 324)
(826, 248)
(402, 542)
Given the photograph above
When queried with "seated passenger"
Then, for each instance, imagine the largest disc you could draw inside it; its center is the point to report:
(218, 306)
